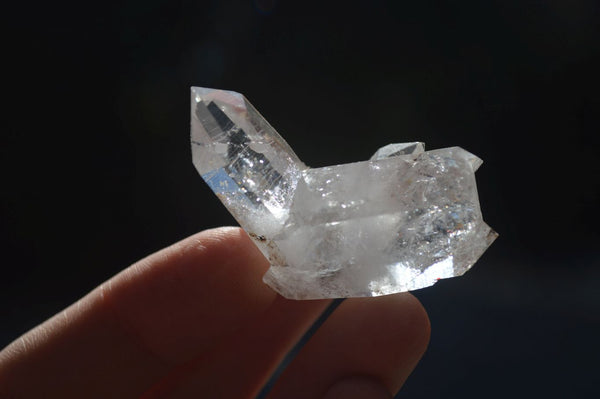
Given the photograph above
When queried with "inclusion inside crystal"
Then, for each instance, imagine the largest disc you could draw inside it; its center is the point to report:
(400, 221)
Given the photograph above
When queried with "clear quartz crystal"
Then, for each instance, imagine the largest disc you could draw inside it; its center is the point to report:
(400, 221)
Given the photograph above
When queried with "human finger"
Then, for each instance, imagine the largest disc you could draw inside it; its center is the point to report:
(368, 344)
(181, 306)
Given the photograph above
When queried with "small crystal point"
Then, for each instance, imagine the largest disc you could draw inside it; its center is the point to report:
(398, 222)
(392, 150)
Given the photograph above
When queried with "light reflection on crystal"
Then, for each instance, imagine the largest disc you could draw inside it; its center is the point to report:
(398, 222)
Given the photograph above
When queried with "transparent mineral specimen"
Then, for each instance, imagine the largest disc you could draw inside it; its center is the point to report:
(398, 222)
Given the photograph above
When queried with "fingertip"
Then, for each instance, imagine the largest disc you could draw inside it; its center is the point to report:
(407, 336)
(214, 275)
(418, 320)
(383, 337)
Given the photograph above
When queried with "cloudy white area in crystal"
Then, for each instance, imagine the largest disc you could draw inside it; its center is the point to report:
(400, 221)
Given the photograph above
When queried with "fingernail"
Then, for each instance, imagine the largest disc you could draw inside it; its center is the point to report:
(357, 388)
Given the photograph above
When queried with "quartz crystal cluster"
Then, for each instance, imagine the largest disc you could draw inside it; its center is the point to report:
(400, 221)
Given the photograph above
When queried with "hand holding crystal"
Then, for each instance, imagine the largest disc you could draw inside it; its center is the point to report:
(195, 320)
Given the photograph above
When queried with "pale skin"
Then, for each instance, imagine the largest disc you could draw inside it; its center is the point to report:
(195, 320)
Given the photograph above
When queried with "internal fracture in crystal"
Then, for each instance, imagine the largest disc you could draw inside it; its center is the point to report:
(400, 221)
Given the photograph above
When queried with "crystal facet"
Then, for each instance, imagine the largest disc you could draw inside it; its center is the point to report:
(400, 221)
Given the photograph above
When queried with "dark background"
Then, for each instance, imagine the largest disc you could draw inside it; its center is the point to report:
(97, 172)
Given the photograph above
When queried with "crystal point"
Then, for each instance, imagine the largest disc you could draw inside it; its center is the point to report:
(400, 221)
(392, 150)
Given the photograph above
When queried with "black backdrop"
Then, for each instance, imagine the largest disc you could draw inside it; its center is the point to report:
(97, 172)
